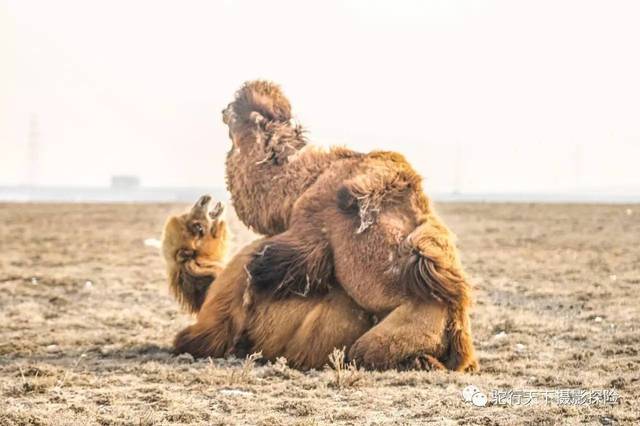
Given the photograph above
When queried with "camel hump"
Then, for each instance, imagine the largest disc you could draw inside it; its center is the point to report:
(384, 179)
(265, 98)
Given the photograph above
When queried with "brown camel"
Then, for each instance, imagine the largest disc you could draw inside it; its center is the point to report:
(361, 220)
(304, 330)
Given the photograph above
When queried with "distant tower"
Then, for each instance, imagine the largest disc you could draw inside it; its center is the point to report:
(33, 146)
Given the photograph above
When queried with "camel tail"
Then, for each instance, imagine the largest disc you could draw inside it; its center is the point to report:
(265, 98)
(432, 269)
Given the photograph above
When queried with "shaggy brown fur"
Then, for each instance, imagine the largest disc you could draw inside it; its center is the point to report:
(361, 218)
(194, 245)
(303, 330)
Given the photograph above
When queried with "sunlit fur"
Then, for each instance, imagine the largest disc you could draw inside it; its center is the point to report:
(304, 330)
(194, 245)
(362, 220)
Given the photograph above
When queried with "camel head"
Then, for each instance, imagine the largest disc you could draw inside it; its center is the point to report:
(260, 124)
(201, 230)
(256, 103)
(263, 97)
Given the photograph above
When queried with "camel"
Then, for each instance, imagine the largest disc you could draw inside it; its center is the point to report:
(304, 330)
(358, 221)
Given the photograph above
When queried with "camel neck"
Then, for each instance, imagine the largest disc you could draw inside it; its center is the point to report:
(263, 192)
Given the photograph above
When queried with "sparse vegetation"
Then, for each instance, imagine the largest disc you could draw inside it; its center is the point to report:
(244, 374)
(579, 327)
(344, 374)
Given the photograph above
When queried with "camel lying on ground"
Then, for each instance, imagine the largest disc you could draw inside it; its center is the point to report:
(230, 320)
(339, 218)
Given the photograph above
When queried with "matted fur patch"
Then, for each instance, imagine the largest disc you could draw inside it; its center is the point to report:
(285, 268)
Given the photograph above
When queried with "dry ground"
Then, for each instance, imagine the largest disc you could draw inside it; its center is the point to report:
(86, 325)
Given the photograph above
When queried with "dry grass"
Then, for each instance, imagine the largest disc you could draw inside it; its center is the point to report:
(345, 374)
(557, 307)
(244, 374)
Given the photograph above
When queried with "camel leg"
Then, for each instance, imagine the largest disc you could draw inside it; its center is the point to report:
(412, 336)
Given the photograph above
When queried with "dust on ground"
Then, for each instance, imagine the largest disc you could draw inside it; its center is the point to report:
(86, 325)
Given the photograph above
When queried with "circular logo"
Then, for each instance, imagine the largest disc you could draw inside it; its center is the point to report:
(479, 399)
(468, 392)
(473, 395)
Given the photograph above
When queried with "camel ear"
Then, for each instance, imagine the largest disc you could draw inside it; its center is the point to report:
(216, 211)
(203, 201)
(199, 209)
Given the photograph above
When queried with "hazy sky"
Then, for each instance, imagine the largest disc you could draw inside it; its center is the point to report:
(479, 95)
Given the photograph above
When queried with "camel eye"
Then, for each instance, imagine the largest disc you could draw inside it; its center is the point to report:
(197, 229)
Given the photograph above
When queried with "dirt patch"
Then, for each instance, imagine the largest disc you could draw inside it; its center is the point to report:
(86, 325)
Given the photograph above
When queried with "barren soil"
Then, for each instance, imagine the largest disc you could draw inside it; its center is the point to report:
(86, 324)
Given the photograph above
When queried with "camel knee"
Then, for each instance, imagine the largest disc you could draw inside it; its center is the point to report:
(412, 333)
